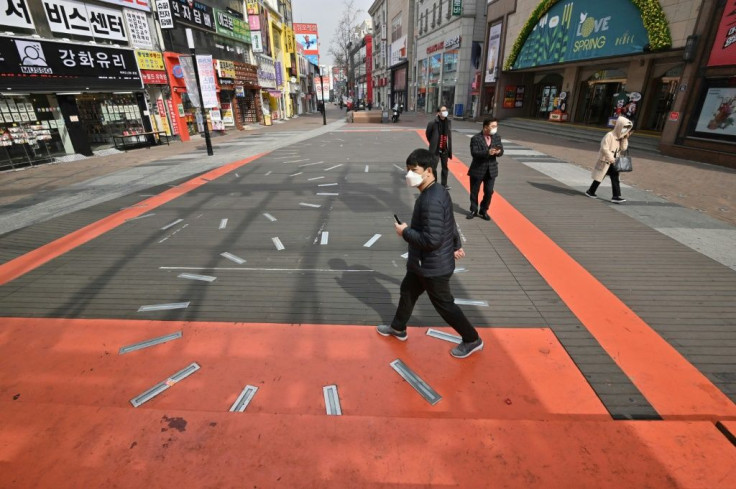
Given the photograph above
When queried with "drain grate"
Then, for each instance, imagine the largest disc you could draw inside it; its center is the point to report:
(424, 390)
(148, 343)
(241, 403)
(441, 335)
(162, 386)
(332, 400)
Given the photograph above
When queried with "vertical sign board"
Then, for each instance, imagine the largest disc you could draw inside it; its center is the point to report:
(494, 44)
(138, 29)
(165, 17)
(724, 46)
(207, 81)
(457, 7)
(308, 38)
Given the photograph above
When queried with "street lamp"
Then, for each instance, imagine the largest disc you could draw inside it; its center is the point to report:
(324, 106)
(190, 43)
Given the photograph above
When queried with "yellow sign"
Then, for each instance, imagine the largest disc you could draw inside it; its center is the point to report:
(226, 69)
(150, 60)
(289, 41)
(252, 8)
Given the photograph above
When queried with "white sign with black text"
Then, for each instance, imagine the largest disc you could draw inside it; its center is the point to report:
(70, 17)
(136, 4)
(15, 13)
(165, 18)
(140, 33)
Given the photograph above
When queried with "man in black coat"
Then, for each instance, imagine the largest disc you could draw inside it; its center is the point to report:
(439, 136)
(485, 147)
(434, 245)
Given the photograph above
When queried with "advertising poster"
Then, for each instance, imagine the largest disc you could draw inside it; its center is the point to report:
(509, 97)
(718, 116)
(724, 45)
(494, 43)
(307, 37)
(207, 80)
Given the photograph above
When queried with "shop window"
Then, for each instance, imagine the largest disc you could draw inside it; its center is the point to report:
(106, 115)
(29, 131)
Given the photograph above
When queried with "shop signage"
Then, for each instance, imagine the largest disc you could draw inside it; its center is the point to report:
(34, 64)
(239, 91)
(254, 22)
(266, 72)
(196, 14)
(279, 75)
(227, 114)
(494, 44)
(457, 7)
(140, 34)
(230, 26)
(225, 69)
(290, 40)
(207, 81)
(436, 47)
(165, 17)
(453, 42)
(187, 68)
(724, 45)
(150, 60)
(398, 51)
(154, 77)
(716, 119)
(174, 119)
(573, 31)
(251, 8)
(256, 41)
(136, 4)
(674, 116)
(16, 14)
(79, 19)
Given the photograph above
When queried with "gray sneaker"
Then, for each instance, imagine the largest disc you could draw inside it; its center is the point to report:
(387, 330)
(464, 350)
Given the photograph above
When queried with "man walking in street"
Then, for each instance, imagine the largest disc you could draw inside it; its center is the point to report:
(434, 245)
(439, 135)
(485, 147)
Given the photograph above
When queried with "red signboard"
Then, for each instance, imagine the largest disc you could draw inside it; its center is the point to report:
(307, 38)
(154, 77)
(724, 46)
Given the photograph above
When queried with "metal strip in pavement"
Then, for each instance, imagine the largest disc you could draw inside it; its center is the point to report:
(163, 385)
(327, 184)
(460, 270)
(333, 167)
(141, 217)
(366, 169)
(223, 223)
(232, 257)
(164, 307)
(243, 269)
(441, 335)
(469, 302)
(148, 343)
(315, 178)
(310, 164)
(325, 237)
(241, 403)
(277, 242)
(370, 242)
(295, 174)
(171, 224)
(194, 276)
(328, 194)
(270, 217)
(332, 400)
(309, 205)
(424, 389)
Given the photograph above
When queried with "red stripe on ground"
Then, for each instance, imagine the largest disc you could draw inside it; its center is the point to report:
(671, 384)
(34, 259)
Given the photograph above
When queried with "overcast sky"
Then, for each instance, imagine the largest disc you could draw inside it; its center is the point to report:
(325, 13)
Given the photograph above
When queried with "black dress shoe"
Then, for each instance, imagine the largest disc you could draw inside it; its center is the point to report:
(485, 216)
(471, 215)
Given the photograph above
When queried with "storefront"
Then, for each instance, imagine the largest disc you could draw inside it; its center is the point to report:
(66, 98)
(153, 73)
(439, 78)
(270, 96)
(247, 108)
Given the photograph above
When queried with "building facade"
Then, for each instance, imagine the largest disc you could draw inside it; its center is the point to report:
(380, 73)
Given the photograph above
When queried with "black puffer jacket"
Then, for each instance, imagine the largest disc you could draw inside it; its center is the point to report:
(432, 234)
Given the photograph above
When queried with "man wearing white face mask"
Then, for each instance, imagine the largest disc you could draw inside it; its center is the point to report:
(439, 136)
(485, 147)
(434, 245)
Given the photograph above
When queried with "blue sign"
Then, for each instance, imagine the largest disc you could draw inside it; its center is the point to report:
(578, 30)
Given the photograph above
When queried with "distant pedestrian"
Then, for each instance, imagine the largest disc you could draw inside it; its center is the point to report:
(612, 144)
(439, 135)
(485, 147)
(434, 245)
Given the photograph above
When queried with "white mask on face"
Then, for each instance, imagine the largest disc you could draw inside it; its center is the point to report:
(624, 130)
(494, 131)
(413, 179)
(444, 113)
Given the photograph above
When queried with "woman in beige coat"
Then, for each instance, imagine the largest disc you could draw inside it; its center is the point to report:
(612, 144)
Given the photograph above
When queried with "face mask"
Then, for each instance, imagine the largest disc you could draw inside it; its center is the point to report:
(444, 114)
(413, 179)
(624, 130)
(494, 131)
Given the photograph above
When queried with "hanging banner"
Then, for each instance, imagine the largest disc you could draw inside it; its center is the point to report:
(256, 41)
(494, 44)
(79, 19)
(16, 14)
(724, 45)
(190, 80)
(207, 81)
(140, 34)
(34, 64)
(573, 31)
(307, 37)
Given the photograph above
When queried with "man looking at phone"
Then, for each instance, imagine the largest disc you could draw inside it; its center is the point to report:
(485, 147)
(434, 245)
(439, 136)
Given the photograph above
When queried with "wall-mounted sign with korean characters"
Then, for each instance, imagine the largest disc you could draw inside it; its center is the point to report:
(30, 64)
(140, 33)
(15, 13)
(79, 19)
(196, 14)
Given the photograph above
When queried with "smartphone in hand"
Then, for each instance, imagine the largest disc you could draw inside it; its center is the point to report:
(398, 221)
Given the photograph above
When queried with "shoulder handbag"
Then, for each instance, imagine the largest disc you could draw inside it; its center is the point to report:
(623, 162)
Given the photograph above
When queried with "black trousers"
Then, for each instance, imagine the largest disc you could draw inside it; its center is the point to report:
(615, 183)
(441, 158)
(488, 183)
(438, 290)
